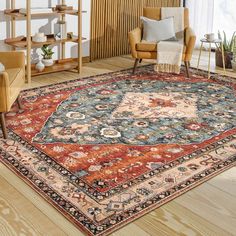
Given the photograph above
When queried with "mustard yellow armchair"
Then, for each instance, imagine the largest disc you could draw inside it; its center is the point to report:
(145, 50)
(11, 82)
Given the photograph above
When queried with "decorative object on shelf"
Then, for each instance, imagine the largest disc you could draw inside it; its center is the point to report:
(63, 7)
(40, 66)
(62, 31)
(2, 67)
(233, 62)
(13, 40)
(228, 51)
(39, 38)
(69, 35)
(36, 10)
(47, 55)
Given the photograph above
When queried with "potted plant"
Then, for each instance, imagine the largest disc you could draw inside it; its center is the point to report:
(47, 55)
(233, 62)
(228, 46)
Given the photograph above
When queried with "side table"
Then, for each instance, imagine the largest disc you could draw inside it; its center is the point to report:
(218, 43)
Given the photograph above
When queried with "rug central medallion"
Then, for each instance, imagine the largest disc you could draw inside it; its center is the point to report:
(155, 105)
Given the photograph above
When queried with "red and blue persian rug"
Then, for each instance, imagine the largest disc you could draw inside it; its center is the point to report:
(108, 149)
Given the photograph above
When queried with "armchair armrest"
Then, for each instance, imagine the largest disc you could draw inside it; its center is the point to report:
(190, 39)
(134, 38)
(4, 92)
(12, 59)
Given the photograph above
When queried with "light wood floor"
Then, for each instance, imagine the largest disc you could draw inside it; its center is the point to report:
(209, 209)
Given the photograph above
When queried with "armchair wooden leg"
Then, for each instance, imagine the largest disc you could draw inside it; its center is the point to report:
(140, 60)
(3, 125)
(187, 68)
(19, 102)
(135, 65)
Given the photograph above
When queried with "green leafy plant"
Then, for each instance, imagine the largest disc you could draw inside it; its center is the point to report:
(47, 52)
(234, 50)
(227, 44)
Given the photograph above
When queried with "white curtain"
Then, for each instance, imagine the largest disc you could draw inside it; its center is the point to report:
(201, 17)
(225, 17)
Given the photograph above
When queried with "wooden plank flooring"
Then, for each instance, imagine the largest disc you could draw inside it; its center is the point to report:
(208, 210)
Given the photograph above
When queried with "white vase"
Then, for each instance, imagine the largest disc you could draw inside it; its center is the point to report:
(48, 62)
(40, 66)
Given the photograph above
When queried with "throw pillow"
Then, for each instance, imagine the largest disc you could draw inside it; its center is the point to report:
(156, 31)
(2, 67)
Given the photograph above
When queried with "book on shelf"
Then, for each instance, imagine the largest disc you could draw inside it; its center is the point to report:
(36, 10)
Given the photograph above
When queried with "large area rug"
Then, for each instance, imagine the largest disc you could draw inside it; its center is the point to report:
(108, 149)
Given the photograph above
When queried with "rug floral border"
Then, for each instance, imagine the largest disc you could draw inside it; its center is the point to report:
(95, 194)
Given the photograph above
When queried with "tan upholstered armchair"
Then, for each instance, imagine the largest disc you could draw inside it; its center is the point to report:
(11, 82)
(145, 50)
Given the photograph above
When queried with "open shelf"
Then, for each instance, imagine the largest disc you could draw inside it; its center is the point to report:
(21, 42)
(59, 65)
(25, 42)
(16, 14)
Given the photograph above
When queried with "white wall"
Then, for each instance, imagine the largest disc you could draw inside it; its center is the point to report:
(47, 26)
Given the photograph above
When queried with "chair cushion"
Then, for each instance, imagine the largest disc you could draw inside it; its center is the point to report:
(156, 31)
(145, 46)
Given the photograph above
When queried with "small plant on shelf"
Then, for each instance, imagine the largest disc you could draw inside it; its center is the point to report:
(234, 55)
(47, 55)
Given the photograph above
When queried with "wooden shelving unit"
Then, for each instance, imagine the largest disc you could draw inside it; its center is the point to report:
(26, 42)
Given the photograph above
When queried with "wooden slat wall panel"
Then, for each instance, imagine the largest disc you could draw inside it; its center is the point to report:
(112, 20)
